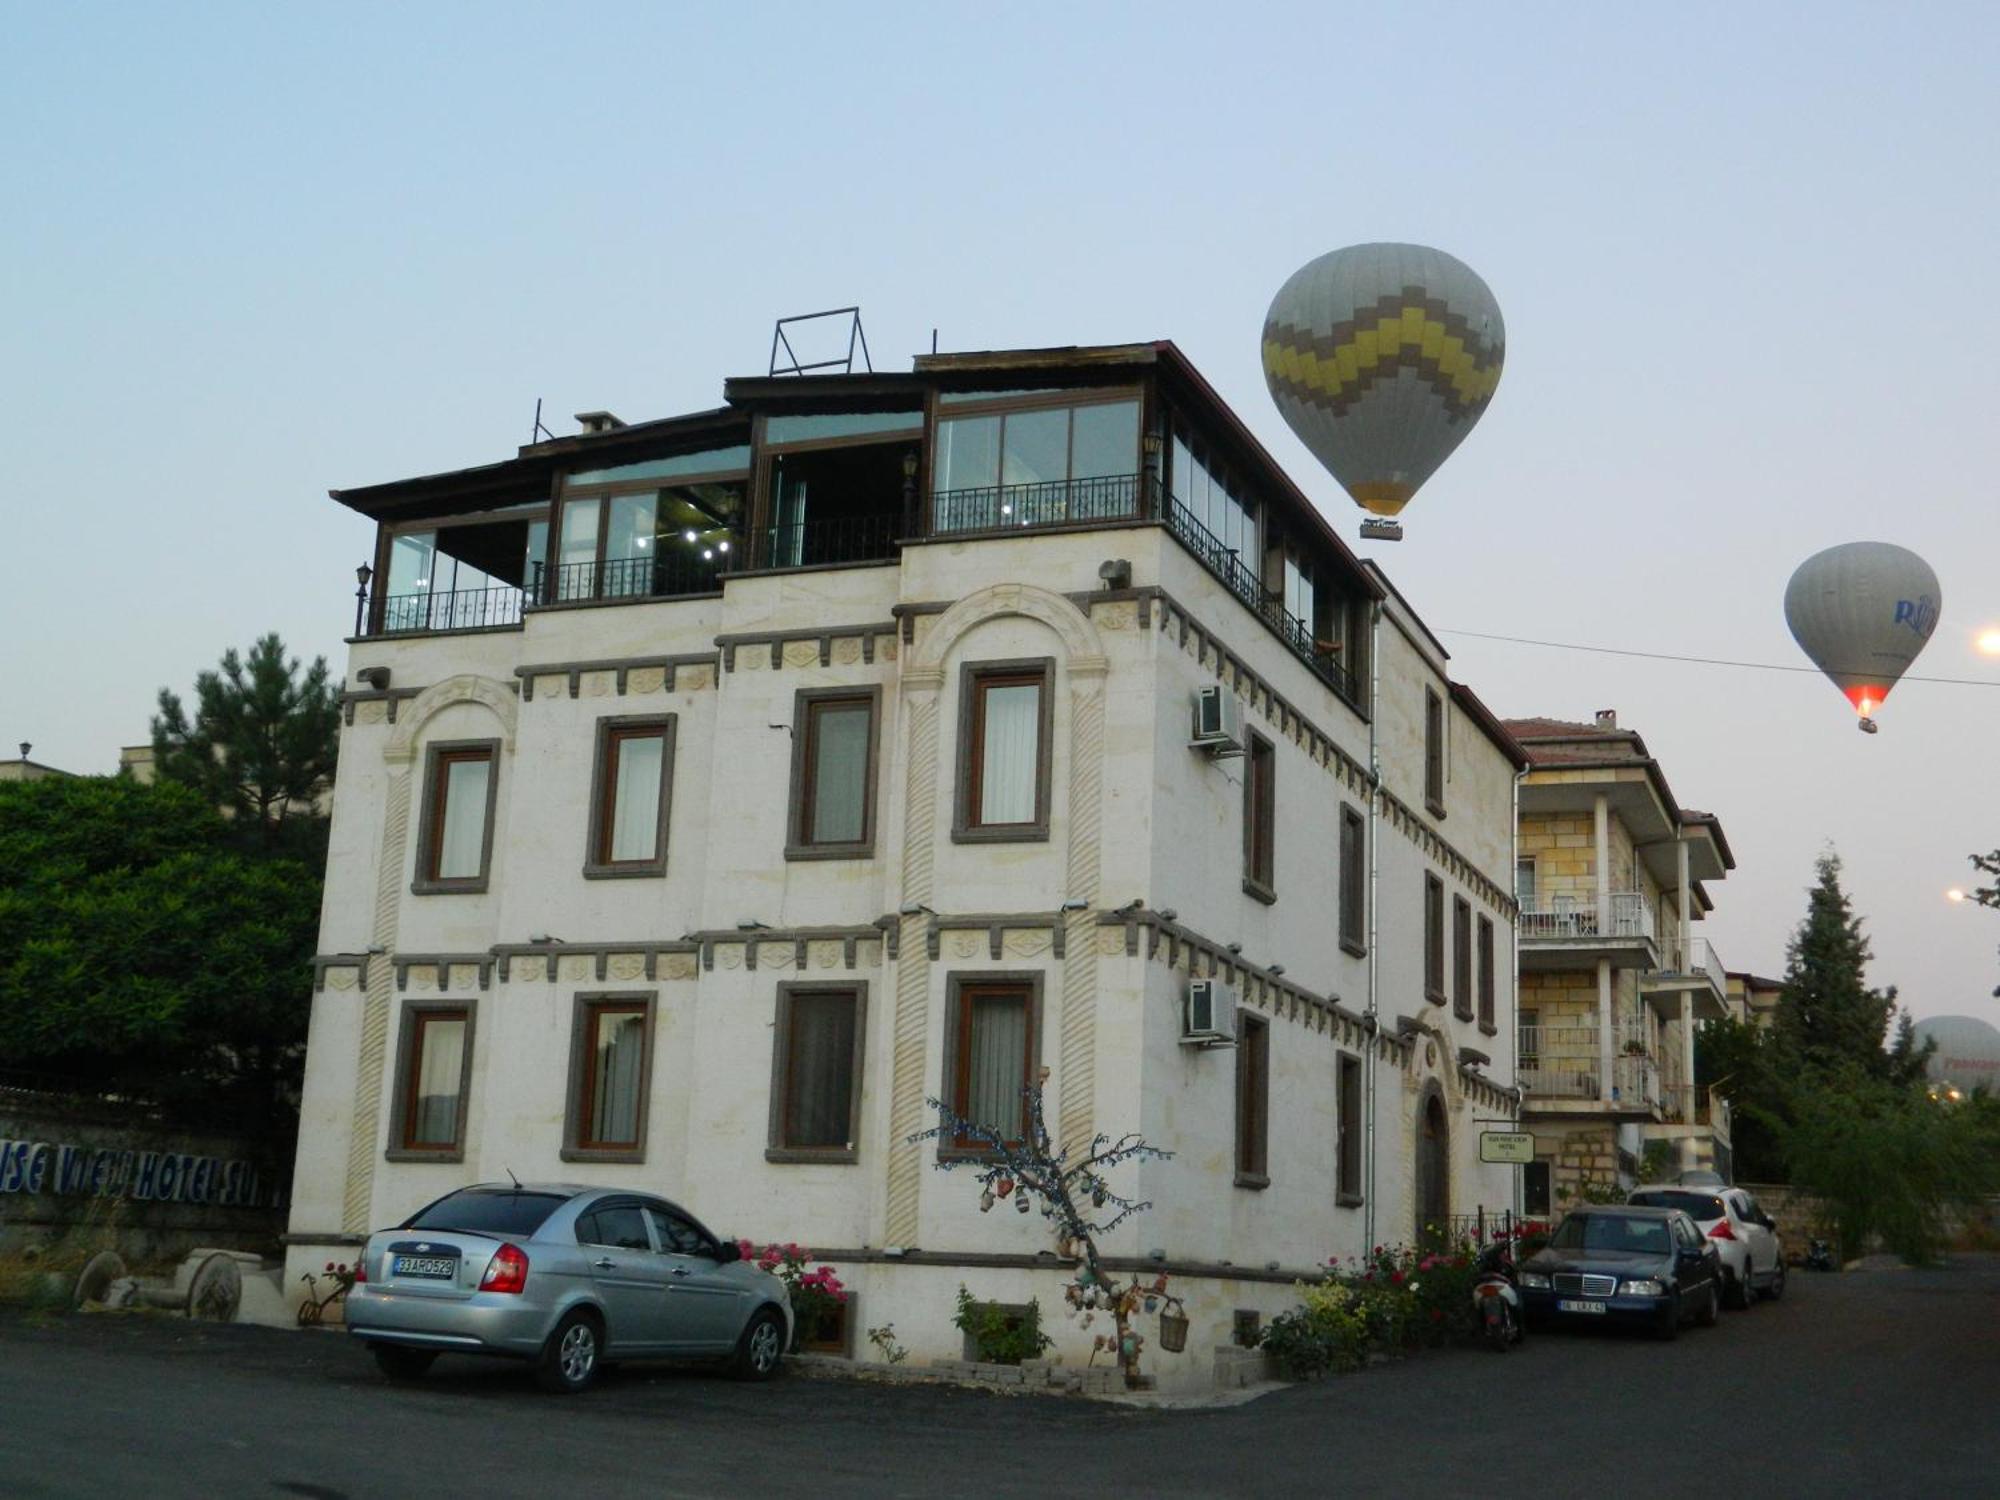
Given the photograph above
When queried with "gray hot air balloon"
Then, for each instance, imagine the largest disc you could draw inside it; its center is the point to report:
(1863, 611)
(1382, 357)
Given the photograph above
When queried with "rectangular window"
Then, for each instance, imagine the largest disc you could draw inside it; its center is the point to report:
(1260, 819)
(433, 1078)
(611, 1066)
(1487, 1022)
(1037, 466)
(990, 1055)
(1003, 753)
(1530, 1038)
(1353, 893)
(816, 1073)
(1349, 1181)
(455, 843)
(632, 790)
(833, 774)
(1434, 752)
(1433, 940)
(1524, 883)
(1253, 1102)
(1461, 957)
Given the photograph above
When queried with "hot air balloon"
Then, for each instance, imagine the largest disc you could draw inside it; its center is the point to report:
(1382, 357)
(1863, 611)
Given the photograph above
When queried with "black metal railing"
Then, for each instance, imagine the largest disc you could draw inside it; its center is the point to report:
(665, 576)
(1059, 502)
(834, 539)
(1227, 564)
(452, 609)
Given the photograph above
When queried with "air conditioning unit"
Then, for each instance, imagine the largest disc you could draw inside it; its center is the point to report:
(1218, 721)
(1210, 1017)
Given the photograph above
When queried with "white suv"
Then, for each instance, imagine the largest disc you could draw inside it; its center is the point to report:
(1753, 1262)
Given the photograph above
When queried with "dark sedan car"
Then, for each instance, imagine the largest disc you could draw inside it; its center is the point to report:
(1626, 1264)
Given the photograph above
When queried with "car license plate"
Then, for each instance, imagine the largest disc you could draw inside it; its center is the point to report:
(439, 1267)
(1566, 1305)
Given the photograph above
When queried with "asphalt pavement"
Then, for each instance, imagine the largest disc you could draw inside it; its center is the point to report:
(1876, 1383)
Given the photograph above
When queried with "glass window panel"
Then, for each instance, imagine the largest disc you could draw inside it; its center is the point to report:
(708, 461)
(440, 1062)
(1107, 441)
(968, 455)
(820, 1070)
(618, 1044)
(577, 578)
(1010, 752)
(997, 1062)
(961, 398)
(840, 773)
(1035, 447)
(462, 842)
(412, 557)
(1185, 478)
(841, 424)
(629, 544)
(535, 561)
(635, 796)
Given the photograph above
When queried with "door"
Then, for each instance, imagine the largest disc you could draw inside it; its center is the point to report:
(1433, 1172)
(1763, 1244)
(705, 1307)
(631, 1277)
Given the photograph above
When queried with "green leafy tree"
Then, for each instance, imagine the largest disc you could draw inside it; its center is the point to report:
(1988, 895)
(1754, 1069)
(142, 954)
(1828, 1016)
(260, 745)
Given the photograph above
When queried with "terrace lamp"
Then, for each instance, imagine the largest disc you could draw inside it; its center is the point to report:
(361, 576)
(910, 465)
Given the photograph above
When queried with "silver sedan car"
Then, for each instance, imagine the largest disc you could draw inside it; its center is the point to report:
(564, 1277)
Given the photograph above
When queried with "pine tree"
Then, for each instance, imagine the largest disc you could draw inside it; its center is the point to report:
(1827, 1015)
(260, 747)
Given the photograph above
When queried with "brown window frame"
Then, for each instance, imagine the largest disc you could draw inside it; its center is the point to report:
(1433, 940)
(960, 991)
(1260, 819)
(582, 1075)
(1488, 994)
(1352, 896)
(807, 705)
(612, 732)
(1461, 958)
(1434, 777)
(418, 1015)
(439, 757)
(975, 679)
(1253, 1102)
(779, 1147)
(1347, 1148)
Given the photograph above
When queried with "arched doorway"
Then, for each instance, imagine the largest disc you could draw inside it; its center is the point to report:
(1433, 1169)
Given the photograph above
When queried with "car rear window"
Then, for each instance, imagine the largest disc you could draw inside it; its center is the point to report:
(473, 1211)
(1698, 1206)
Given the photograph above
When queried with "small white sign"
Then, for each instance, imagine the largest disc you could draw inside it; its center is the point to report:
(1506, 1146)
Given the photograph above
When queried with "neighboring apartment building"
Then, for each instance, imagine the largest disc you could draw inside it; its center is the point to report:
(716, 790)
(1754, 998)
(24, 769)
(1610, 877)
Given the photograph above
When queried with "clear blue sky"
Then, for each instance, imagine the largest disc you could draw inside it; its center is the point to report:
(1745, 256)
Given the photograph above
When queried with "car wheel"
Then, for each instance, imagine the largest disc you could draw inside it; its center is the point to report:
(1706, 1318)
(1740, 1295)
(399, 1363)
(1777, 1287)
(762, 1347)
(1669, 1326)
(569, 1359)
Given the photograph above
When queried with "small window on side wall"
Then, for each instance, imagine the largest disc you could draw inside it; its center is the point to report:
(455, 837)
(1348, 1179)
(1487, 1022)
(631, 797)
(1003, 754)
(1253, 1102)
(1260, 820)
(1433, 940)
(611, 1066)
(816, 1073)
(1434, 753)
(833, 774)
(1461, 958)
(1353, 894)
(433, 1079)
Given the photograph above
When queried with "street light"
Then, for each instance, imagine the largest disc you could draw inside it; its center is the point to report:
(361, 576)
(1954, 894)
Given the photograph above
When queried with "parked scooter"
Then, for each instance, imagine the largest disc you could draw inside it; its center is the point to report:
(1498, 1299)
(1819, 1256)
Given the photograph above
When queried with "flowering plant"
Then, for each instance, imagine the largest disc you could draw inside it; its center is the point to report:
(816, 1290)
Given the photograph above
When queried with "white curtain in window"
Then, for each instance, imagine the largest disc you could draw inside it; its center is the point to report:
(822, 1069)
(635, 798)
(439, 1066)
(840, 774)
(621, 1046)
(999, 1061)
(463, 843)
(1010, 753)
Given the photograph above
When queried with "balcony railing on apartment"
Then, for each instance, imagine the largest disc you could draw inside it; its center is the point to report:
(1698, 957)
(1563, 1062)
(644, 577)
(1061, 502)
(452, 609)
(1567, 918)
(837, 539)
(1227, 564)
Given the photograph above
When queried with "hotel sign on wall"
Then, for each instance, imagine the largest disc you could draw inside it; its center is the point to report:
(1516, 1147)
(145, 1176)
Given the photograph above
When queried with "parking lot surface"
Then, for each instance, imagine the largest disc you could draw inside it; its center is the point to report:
(1868, 1383)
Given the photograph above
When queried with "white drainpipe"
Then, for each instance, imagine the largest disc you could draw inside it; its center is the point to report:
(1374, 915)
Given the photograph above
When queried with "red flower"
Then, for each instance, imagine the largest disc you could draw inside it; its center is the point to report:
(1437, 1315)
(329, 1265)
(1395, 1278)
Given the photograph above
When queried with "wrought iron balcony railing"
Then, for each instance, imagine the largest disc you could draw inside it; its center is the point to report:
(836, 539)
(644, 577)
(1059, 502)
(451, 609)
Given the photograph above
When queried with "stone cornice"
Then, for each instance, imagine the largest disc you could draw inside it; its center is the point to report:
(623, 666)
(821, 635)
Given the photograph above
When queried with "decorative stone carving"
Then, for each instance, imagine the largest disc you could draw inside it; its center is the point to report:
(645, 680)
(677, 966)
(626, 966)
(372, 712)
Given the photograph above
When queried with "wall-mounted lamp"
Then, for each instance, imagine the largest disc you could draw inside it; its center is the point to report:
(1234, 947)
(912, 908)
(1168, 914)
(1073, 904)
(375, 677)
(542, 937)
(1277, 969)
(361, 576)
(753, 925)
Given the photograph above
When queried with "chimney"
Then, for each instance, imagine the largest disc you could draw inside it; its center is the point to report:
(595, 422)
(1607, 718)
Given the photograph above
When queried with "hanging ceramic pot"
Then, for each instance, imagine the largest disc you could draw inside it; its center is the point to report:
(986, 1201)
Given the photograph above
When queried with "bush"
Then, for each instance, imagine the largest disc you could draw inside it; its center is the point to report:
(1001, 1337)
(1329, 1330)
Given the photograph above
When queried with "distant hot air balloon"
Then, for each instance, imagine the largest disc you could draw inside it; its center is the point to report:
(1863, 611)
(1382, 357)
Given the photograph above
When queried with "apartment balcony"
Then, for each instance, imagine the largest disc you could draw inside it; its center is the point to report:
(1569, 932)
(1690, 969)
(1562, 1071)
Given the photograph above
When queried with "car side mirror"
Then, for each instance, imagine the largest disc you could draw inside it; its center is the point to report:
(727, 1251)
